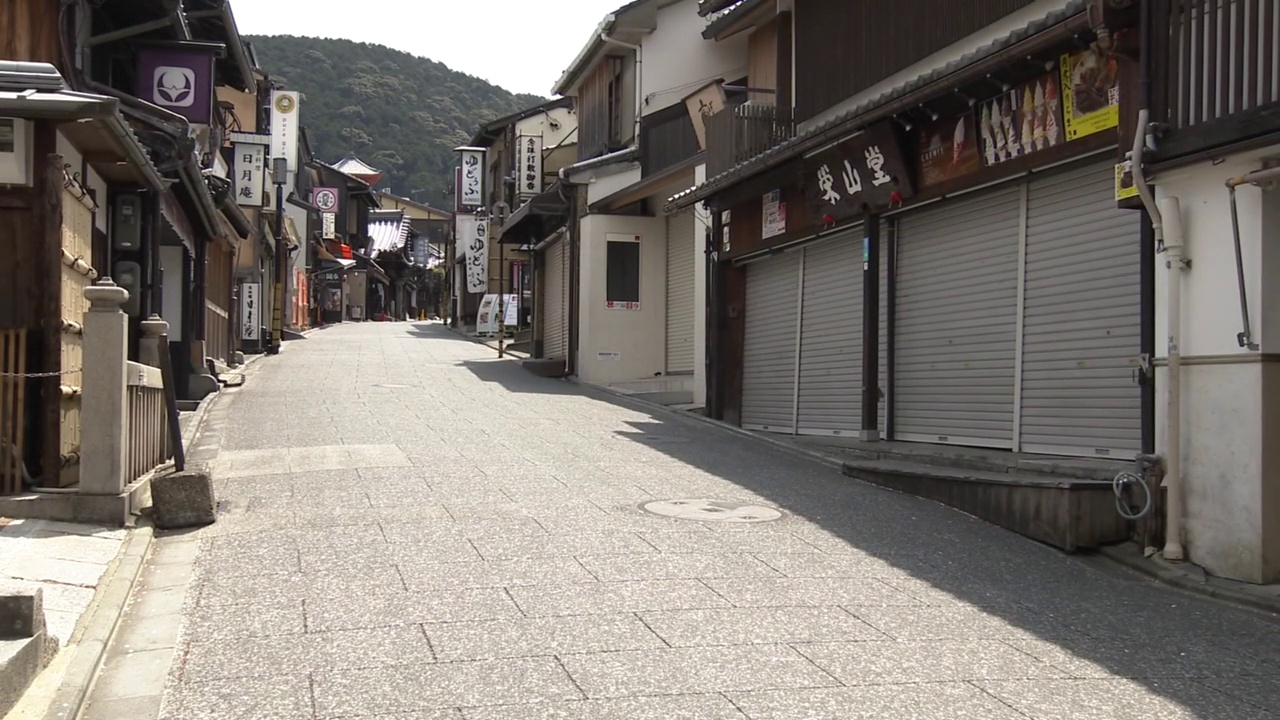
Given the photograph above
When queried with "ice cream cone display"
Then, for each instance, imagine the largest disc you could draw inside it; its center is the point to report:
(1028, 121)
(957, 142)
(1010, 127)
(997, 129)
(1041, 115)
(988, 139)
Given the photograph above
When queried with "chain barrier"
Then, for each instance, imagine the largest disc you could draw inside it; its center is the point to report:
(58, 373)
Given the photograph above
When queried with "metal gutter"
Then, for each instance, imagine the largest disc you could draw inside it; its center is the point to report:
(628, 154)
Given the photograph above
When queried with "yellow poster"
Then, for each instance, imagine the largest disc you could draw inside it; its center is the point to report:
(1090, 92)
(1125, 188)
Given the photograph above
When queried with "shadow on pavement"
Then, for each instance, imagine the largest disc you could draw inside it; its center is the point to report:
(1100, 621)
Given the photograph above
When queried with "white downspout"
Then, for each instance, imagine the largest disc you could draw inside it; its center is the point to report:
(1168, 208)
(605, 38)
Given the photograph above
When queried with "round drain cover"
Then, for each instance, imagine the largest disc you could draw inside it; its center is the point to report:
(704, 510)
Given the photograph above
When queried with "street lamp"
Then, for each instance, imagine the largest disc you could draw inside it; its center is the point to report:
(279, 175)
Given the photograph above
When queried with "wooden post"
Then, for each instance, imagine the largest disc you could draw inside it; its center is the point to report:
(104, 404)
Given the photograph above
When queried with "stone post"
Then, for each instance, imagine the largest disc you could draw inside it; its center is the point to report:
(103, 406)
(151, 344)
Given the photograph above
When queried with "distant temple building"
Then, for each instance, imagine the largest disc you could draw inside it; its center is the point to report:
(357, 168)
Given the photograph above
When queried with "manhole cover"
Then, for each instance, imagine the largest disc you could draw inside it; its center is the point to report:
(704, 510)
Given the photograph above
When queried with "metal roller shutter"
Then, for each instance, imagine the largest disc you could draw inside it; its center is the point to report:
(1081, 335)
(957, 314)
(830, 395)
(680, 301)
(553, 338)
(769, 355)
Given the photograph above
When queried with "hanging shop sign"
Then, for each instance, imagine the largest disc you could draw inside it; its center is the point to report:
(329, 226)
(471, 185)
(1091, 97)
(530, 170)
(864, 173)
(250, 310)
(473, 232)
(249, 173)
(702, 104)
(1023, 121)
(179, 80)
(326, 199)
(284, 128)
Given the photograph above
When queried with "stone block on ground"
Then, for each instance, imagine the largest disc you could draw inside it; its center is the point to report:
(183, 499)
(21, 610)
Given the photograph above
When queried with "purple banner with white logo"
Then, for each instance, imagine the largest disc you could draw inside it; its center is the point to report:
(178, 80)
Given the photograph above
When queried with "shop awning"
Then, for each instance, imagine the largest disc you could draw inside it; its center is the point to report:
(1054, 27)
(529, 216)
(388, 230)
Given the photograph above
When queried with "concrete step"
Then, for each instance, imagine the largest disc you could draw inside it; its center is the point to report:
(545, 367)
(1066, 512)
(25, 645)
(661, 397)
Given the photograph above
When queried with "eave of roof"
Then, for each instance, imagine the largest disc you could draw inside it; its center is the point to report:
(582, 62)
(1073, 17)
(740, 14)
(489, 132)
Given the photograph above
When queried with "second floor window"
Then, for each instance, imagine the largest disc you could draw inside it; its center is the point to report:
(615, 100)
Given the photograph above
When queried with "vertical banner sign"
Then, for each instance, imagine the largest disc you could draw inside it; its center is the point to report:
(471, 192)
(473, 232)
(250, 310)
(179, 80)
(250, 168)
(329, 226)
(530, 170)
(284, 127)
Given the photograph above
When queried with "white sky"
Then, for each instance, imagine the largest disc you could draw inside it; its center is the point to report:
(434, 29)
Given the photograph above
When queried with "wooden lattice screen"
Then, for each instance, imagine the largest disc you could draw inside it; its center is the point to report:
(13, 354)
(77, 274)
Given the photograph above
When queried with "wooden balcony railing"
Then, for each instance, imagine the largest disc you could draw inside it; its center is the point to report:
(737, 134)
(1214, 64)
(148, 431)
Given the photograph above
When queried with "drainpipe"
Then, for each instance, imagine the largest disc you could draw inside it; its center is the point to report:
(605, 38)
(1171, 245)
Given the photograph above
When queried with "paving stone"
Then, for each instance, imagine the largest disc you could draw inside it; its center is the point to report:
(668, 566)
(747, 626)
(512, 548)
(674, 671)
(1082, 699)
(775, 592)
(725, 543)
(539, 636)
(881, 662)
(444, 685)
(684, 707)
(282, 697)
(422, 576)
(342, 650)
(931, 701)
(225, 622)
(365, 609)
(603, 598)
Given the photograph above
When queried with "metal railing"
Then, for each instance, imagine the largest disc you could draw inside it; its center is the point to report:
(737, 134)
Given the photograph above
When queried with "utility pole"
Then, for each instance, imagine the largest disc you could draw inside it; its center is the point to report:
(500, 217)
(279, 175)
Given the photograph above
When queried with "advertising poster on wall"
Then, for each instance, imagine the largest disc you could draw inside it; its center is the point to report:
(774, 220)
(948, 149)
(1091, 97)
(1023, 121)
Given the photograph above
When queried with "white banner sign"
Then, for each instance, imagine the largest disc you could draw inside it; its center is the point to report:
(471, 192)
(251, 167)
(530, 170)
(329, 228)
(511, 311)
(487, 315)
(284, 127)
(473, 233)
(250, 310)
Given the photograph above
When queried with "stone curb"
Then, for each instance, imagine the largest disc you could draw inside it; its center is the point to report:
(1127, 556)
(104, 619)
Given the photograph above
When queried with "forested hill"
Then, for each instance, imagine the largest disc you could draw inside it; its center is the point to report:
(400, 113)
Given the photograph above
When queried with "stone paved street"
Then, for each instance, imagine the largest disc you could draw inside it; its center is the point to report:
(414, 530)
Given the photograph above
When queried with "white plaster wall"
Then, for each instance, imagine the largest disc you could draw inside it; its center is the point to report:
(172, 297)
(540, 124)
(995, 31)
(609, 180)
(702, 226)
(1223, 413)
(99, 187)
(636, 335)
(677, 60)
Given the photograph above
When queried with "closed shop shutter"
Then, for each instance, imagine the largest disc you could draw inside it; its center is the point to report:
(1081, 335)
(831, 337)
(680, 291)
(957, 313)
(769, 355)
(555, 299)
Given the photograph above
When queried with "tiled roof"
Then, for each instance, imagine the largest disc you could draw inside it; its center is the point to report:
(721, 22)
(845, 121)
(388, 231)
